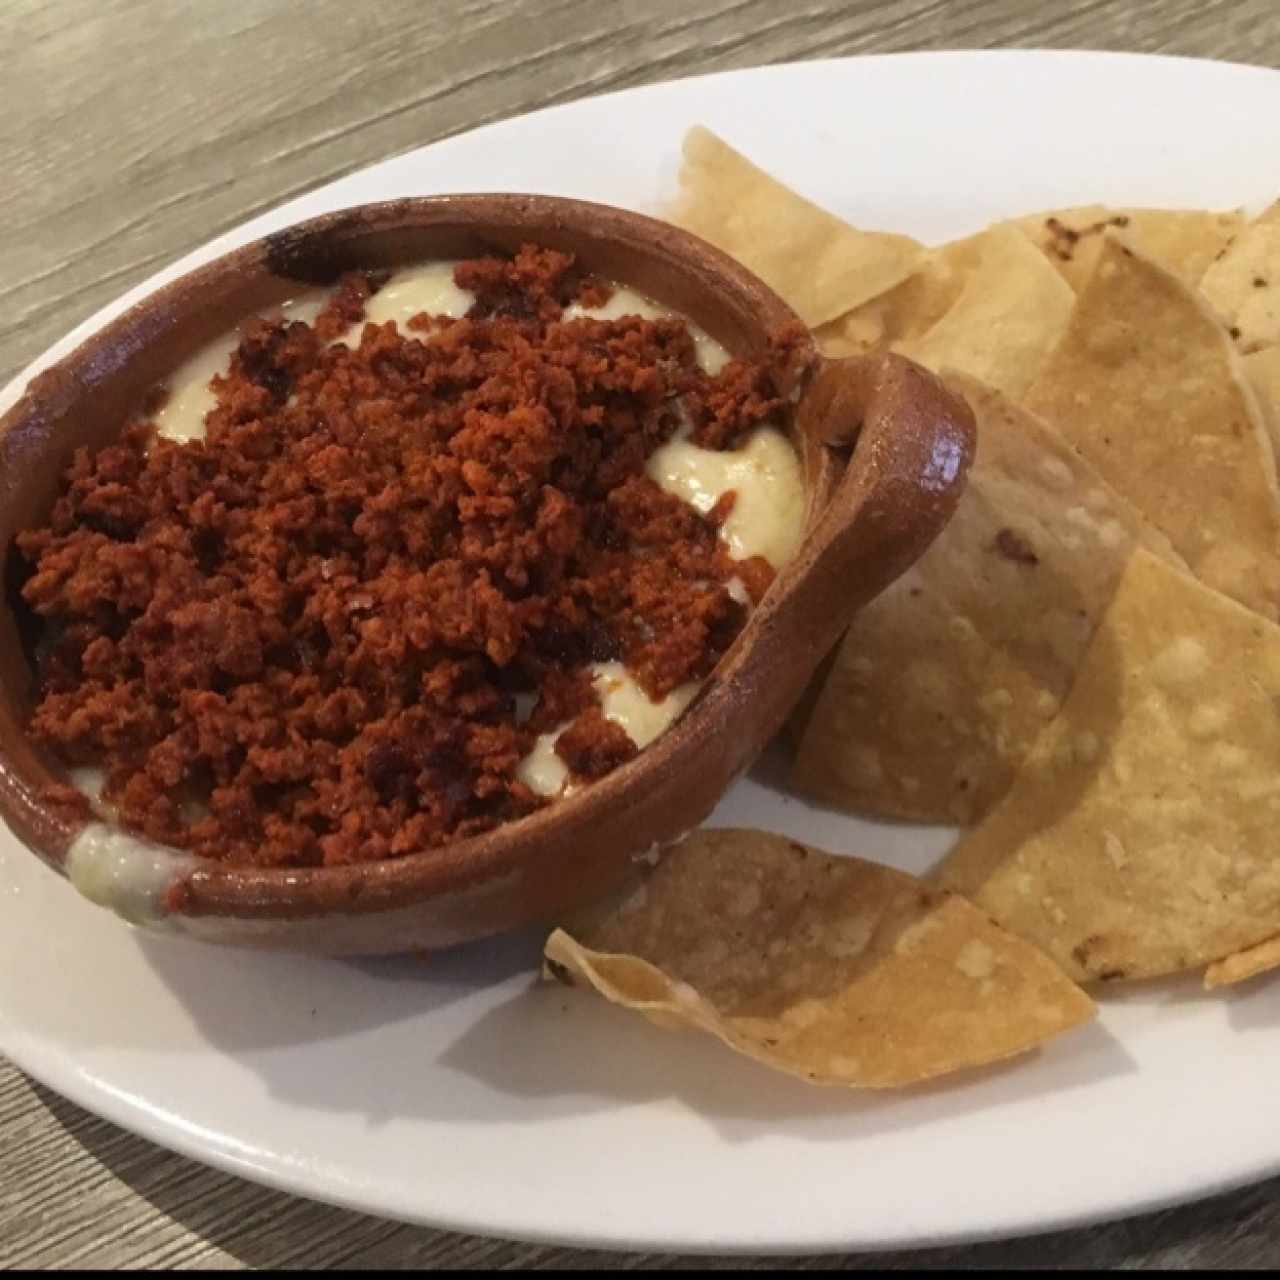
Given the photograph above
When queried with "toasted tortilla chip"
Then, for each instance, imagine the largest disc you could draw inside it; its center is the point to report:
(1148, 387)
(1009, 315)
(817, 263)
(1184, 241)
(1243, 285)
(832, 969)
(1139, 838)
(944, 682)
(1263, 371)
(1243, 965)
(908, 309)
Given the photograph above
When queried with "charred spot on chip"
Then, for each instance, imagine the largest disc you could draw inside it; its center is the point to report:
(1259, 282)
(1064, 238)
(1013, 546)
(1111, 975)
(1096, 228)
(1234, 331)
(1083, 950)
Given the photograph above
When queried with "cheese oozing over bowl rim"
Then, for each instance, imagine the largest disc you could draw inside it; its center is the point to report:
(130, 874)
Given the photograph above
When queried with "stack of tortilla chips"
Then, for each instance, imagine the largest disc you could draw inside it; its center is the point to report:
(1083, 671)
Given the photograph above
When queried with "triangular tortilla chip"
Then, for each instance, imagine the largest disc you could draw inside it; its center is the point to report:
(832, 969)
(1243, 965)
(943, 683)
(1185, 241)
(1009, 315)
(908, 309)
(1243, 285)
(817, 263)
(1139, 838)
(1148, 387)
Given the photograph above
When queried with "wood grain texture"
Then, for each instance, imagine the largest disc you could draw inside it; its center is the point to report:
(137, 129)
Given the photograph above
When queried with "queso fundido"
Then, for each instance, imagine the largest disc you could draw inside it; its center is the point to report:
(407, 561)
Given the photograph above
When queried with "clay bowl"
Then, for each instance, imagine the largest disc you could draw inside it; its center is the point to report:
(885, 448)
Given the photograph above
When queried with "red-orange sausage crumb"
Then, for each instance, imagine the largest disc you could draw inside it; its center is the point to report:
(301, 640)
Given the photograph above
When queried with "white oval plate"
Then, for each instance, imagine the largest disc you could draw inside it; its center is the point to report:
(451, 1090)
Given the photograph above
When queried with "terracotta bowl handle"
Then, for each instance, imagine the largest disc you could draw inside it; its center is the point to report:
(912, 440)
(900, 443)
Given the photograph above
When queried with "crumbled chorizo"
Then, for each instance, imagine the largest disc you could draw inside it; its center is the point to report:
(303, 639)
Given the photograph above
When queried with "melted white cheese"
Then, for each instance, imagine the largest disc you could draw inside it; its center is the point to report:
(624, 702)
(124, 873)
(428, 288)
(768, 512)
(89, 779)
(190, 395)
(712, 357)
(542, 770)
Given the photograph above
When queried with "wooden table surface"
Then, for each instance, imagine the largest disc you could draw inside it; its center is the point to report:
(134, 131)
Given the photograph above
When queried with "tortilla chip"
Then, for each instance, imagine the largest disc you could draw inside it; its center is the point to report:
(944, 682)
(1243, 285)
(1243, 965)
(1262, 368)
(817, 263)
(1148, 387)
(832, 969)
(1009, 315)
(1139, 838)
(908, 309)
(1184, 241)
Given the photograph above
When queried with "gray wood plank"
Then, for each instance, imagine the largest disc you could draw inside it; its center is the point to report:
(137, 129)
